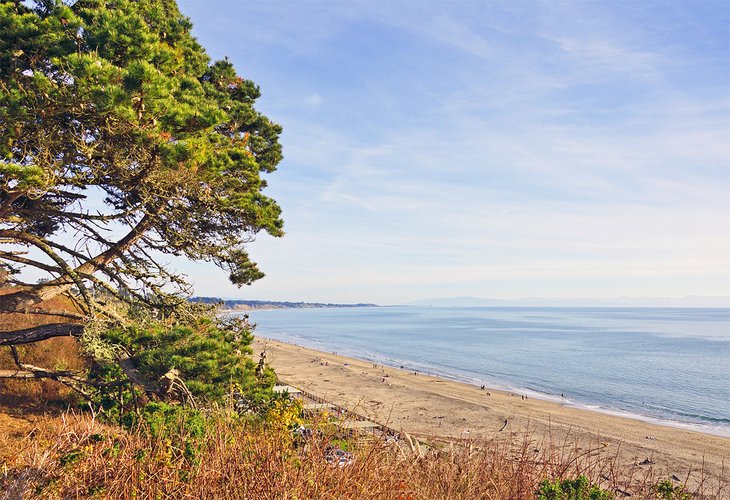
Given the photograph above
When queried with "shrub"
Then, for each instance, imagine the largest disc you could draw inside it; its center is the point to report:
(212, 356)
(667, 491)
(285, 414)
(204, 362)
(571, 489)
(162, 420)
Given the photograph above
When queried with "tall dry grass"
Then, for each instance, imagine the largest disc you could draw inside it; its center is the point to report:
(78, 457)
(55, 354)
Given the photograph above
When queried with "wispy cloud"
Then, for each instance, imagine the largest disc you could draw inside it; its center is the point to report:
(314, 100)
(504, 149)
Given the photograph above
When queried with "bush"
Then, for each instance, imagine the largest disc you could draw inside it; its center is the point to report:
(211, 356)
(206, 359)
(571, 489)
(178, 433)
(668, 491)
(162, 420)
(285, 414)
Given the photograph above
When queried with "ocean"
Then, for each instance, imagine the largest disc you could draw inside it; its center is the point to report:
(666, 365)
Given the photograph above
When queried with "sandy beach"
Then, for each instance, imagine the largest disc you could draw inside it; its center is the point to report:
(428, 407)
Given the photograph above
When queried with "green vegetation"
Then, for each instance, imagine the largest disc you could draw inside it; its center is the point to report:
(666, 490)
(118, 129)
(207, 361)
(571, 489)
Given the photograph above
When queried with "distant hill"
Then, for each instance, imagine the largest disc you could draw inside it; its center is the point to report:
(690, 301)
(246, 305)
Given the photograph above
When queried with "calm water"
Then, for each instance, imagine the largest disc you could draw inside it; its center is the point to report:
(667, 364)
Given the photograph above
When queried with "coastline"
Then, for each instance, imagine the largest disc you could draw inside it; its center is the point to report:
(667, 367)
(563, 401)
(432, 407)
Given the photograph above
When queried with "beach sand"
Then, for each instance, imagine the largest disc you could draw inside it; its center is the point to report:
(429, 408)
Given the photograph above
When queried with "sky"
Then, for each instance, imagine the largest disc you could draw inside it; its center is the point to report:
(494, 149)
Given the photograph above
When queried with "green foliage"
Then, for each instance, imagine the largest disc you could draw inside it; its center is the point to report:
(666, 490)
(118, 98)
(119, 129)
(71, 458)
(163, 420)
(211, 357)
(342, 444)
(571, 489)
(25, 177)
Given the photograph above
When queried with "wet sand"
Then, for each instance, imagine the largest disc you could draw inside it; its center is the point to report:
(430, 408)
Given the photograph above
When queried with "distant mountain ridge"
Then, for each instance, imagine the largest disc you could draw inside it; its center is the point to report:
(245, 305)
(689, 301)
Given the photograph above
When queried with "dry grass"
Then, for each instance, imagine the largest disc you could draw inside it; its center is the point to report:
(76, 456)
(56, 354)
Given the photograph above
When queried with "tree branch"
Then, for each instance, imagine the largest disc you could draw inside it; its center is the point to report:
(63, 280)
(16, 357)
(78, 215)
(8, 203)
(14, 257)
(42, 332)
(31, 296)
(66, 377)
(30, 371)
(53, 312)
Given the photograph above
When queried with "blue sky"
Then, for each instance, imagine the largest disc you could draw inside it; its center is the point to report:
(495, 149)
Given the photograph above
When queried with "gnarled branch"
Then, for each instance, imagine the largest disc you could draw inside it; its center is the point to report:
(41, 332)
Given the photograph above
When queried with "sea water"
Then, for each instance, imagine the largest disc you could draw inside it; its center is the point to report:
(671, 365)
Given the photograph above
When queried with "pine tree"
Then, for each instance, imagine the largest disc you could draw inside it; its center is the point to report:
(122, 142)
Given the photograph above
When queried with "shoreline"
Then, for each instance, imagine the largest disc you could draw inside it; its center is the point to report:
(435, 407)
(709, 429)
